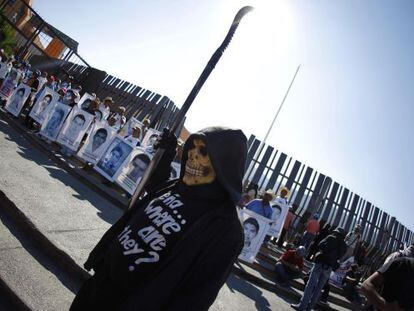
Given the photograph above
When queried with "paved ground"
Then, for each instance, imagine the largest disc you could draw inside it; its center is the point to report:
(74, 217)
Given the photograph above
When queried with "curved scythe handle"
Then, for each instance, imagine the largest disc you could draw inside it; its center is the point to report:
(190, 98)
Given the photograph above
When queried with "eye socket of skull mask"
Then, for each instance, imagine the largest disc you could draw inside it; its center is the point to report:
(198, 168)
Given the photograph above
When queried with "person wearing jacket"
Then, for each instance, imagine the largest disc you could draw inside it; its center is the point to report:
(174, 249)
(331, 249)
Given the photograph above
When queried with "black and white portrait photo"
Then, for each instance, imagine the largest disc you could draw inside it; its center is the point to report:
(43, 104)
(255, 228)
(149, 140)
(280, 209)
(175, 170)
(133, 170)
(113, 158)
(16, 101)
(54, 121)
(127, 129)
(85, 101)
(96, 142)
(75, 128)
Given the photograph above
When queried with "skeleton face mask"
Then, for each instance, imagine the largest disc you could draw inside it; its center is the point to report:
(198, 168)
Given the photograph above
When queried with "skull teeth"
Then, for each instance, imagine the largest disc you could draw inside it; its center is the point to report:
(193, 171)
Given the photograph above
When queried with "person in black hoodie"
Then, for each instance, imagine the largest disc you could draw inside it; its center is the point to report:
(175, 248)
(331, 249)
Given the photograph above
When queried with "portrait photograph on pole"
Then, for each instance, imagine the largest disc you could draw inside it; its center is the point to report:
(16, 101)
(280, 210)
(42, 105)
(127, 129)
(74, 128)
(85, 101)
(113, 158)
(133, 169)
(149, 140)
(95, 144)
(54, 120)
(255, 228)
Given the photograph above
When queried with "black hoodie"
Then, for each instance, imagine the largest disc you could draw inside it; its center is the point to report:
(195, 262)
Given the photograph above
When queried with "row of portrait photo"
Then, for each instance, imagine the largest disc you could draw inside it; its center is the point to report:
(120, 154)
(259, 229)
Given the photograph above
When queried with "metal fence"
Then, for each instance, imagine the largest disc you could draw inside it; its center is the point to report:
(313, 192)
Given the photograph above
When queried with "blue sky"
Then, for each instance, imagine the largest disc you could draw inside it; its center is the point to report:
(350, 112)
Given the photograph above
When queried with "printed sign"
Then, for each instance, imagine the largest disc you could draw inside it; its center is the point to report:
(85, 101)
(96, 142)
(44, 102)
(175, 170)
(149, 140)
(280, 208)
(127, 128)
(255, 228)
(75, 128)
(16, 102)
(113, 158)
(54, 120)
(133, 169)
(8, 85)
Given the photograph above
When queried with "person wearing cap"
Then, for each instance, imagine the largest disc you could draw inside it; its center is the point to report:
(145, 126)
(312, 229)
(290, 265)
(262, 206)
(352, 239)
(286, 225)
(330, 250)
(104, 107)
(133, 139)
(118, 119)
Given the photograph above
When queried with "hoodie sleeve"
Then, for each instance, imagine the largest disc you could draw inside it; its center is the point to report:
(200, 288)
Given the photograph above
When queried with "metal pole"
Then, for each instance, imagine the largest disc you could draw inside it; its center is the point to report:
(262, 143)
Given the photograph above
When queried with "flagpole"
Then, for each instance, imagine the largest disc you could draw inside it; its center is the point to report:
(262, 143)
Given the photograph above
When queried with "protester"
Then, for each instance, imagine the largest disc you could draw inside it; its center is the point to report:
(118, 119)
(145, 126)
(323, 233)
(396, 278)
(262, 206)
(104, 107)
(407, 252)
(351, 240)
(174, 271)
(331, 249)
(246, 198)
(286, 226)
(312, 228)
(349, 284)
(290, 265)
(133, 139)
(43, 79)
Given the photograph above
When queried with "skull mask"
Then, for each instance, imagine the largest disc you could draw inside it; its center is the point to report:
(198, 168)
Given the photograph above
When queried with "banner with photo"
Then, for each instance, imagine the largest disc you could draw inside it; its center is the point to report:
(8, 85)
(4, 70)
(113, 158)
(255, 228)
(126, 130)
(131, 172)
(175, 170)
(149, 140)
(280, 208)
(74, 128)
(16, 101)
(85, 101)
(45, 101)
(54, 120)
(97, 141)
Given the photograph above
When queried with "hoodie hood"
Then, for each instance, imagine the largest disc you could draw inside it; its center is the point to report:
(227, 149)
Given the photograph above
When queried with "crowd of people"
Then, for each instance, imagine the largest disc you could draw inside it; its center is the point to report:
(327, 249)
(335, 258)
(45, 101)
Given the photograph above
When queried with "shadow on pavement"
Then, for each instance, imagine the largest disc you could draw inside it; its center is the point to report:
(240, 285)
(29, 152)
